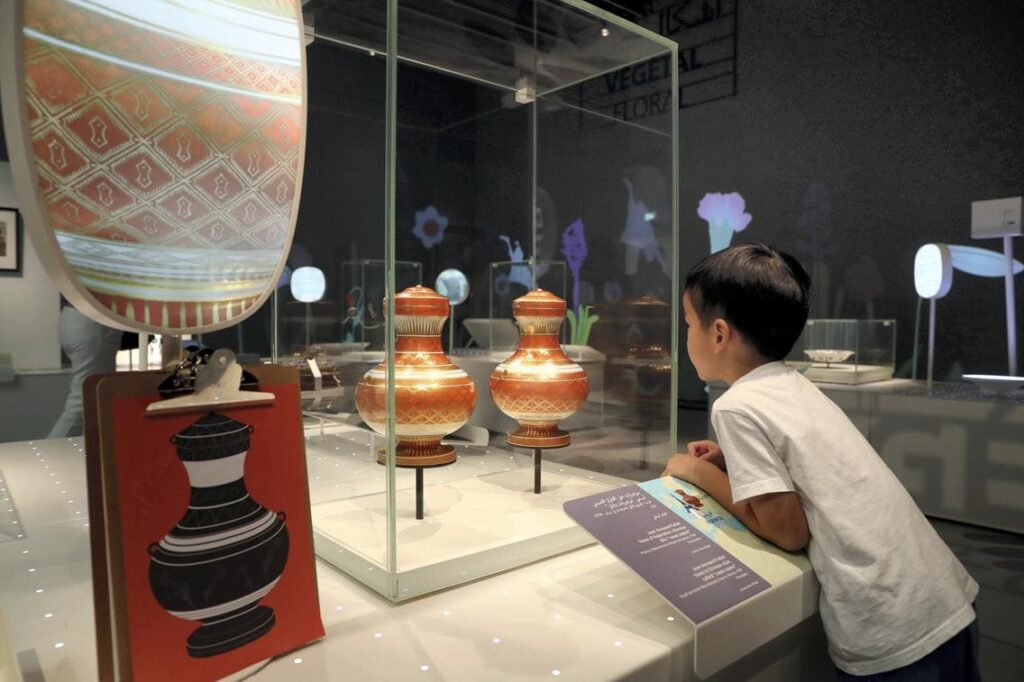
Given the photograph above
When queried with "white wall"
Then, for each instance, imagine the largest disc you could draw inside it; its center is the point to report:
(29, 303)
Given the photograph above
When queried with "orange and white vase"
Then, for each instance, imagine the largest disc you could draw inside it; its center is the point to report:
(433, 397)
(539, 385)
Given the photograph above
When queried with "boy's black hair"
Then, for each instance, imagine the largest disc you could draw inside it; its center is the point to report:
(760, 291)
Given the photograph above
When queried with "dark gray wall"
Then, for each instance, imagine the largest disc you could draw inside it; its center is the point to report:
(885, 119)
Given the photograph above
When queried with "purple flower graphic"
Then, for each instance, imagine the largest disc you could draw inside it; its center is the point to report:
(725, 216)
(574, 246)
(430, 226)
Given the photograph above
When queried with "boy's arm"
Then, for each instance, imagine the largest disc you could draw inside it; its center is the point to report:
(777, 517)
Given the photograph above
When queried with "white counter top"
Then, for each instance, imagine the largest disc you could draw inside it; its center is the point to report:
(579, 616)
(582, 615)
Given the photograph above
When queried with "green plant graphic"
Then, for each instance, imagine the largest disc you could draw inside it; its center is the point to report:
(580, 325)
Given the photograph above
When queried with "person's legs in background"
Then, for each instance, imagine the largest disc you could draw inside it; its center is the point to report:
(93, 350)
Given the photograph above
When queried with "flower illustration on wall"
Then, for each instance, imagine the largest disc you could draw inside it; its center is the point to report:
(725, 216)
(430, 226)
(574, 247)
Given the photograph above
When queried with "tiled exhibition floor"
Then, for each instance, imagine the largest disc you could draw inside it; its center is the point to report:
(996, 560)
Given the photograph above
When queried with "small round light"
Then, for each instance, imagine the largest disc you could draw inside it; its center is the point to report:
(296, 661)
(58, 645)
(556, 672)
(496, 640)
(377, 635)
(47, 615)
(308, 284)
(424, 668)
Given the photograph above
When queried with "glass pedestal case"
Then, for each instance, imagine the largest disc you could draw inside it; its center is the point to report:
(492, 139)
(846, 351)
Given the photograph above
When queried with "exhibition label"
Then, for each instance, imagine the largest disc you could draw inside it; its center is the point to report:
(669, 533)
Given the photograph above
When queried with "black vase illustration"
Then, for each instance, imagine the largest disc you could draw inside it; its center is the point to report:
(227, 552)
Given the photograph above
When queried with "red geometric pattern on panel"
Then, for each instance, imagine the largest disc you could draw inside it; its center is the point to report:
(70, 215)
(57, 155)
(183, 147)
(150, 224)
(171, 155)
(97, 130)
(143, 173)
(141, 105)
(220, 184)
(54, 86)
(104, 191)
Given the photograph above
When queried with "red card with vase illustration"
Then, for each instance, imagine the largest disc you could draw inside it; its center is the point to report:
(206, 528)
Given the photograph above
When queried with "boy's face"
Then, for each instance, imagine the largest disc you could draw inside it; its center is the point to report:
(700, 342)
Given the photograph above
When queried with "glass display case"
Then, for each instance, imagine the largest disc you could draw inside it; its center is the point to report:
(846, 351)
(503, 141)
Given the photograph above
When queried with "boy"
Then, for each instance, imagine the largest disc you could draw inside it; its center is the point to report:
(895, 602)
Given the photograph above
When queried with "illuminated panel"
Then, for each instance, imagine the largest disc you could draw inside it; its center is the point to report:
(933, 271)
(165, 138)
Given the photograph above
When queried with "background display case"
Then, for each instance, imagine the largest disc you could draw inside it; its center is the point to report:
(496, 139)
(846, 351)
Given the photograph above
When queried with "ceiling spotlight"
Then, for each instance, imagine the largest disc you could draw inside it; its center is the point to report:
(604, 30)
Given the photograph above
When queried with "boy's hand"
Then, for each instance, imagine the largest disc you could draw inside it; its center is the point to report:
(707, 450)
(682, 465)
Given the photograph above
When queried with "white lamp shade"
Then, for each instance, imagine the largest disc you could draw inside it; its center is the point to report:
(453, 285)
(308, 284)
(933, 271)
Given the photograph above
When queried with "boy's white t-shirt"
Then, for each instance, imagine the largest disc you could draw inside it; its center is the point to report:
(891, 591)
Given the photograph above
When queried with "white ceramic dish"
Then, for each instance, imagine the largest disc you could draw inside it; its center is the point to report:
(828, 355)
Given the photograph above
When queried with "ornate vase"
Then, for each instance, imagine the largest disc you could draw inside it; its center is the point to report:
(227, 552)
(433, 397)
(539, 385)
(643, 377)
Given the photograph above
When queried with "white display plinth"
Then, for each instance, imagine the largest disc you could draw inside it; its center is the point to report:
(481, 515)
(471, 527)
(849, 374)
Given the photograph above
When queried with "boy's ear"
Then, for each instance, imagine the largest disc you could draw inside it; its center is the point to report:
(722, 332)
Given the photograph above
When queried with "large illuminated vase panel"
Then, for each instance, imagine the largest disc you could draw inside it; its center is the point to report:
(539, 385)
(433, 397)
(227, 552)
(165, 140)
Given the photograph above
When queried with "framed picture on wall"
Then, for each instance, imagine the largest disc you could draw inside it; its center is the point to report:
(10, 249)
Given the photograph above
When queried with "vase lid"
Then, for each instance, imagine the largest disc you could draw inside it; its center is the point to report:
(539, 303)
(422, 301)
